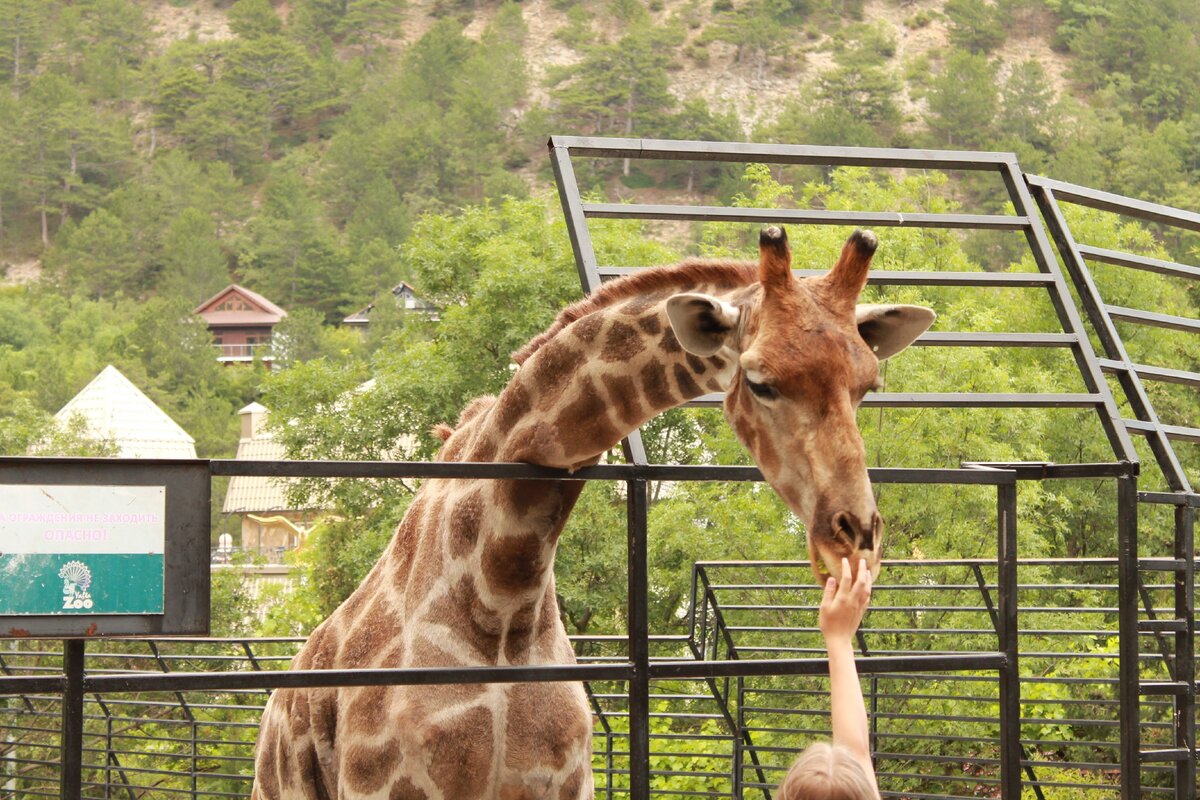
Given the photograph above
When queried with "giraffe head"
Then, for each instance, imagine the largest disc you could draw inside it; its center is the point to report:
(802, 353)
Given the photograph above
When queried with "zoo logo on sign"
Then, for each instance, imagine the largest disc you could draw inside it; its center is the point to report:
(77, 578)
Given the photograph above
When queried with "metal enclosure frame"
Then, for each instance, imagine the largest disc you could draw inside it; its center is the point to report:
(1132, 377)
(638, 669)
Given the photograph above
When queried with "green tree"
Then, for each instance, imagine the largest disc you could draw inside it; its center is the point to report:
(195, 266)
(96, 259)
(976, 25)
(369, 23)
(962, 101)
(251, 19)
(275, 75)
(23, 38)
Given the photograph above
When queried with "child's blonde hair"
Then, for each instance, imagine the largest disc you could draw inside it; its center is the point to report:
(826, 772)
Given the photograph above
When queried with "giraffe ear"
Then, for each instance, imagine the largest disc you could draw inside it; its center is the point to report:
(890, 329)
(702, 324)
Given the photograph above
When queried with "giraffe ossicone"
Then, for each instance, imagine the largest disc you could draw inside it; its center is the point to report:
(468, 578)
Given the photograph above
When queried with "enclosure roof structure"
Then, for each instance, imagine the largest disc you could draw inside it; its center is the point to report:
(116, 410)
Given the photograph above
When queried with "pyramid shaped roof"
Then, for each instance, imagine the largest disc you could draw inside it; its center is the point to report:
(116, 410)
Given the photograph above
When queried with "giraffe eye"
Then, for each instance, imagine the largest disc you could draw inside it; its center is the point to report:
(761, 390)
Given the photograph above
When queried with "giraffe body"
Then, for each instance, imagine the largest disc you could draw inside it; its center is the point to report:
(467, 580)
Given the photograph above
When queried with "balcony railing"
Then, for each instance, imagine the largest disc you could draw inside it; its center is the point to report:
(244, 352)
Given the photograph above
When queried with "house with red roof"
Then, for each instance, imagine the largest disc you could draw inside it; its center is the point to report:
(241, 322)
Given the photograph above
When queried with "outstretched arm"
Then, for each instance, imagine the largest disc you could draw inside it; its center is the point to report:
(842, 609)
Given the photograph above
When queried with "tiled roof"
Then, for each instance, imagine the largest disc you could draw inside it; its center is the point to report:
(258, 494)
(116, 410)
(267, 313)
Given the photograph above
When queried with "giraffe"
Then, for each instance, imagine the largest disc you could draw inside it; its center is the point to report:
(468, 577)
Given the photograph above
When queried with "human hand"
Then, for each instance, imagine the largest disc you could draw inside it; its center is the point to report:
(844, 603)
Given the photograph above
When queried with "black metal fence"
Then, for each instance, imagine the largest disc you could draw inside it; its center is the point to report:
(979, 684)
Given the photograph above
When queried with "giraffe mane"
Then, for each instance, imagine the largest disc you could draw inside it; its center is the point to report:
(689, 273)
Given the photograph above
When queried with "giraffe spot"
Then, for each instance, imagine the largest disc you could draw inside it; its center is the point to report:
(514, 563)
(623, 398)
(457, 750)
(521, 497)
(695, 364)
(553, 366)
(669, 343)
(266, 765)
(379, 626)
(298, 713)
(621, 343)
(426, 567)
(586, 329)
(367, 709)
(484, 448)
(655, 387)
(717, 362)
(546, 723)
(520, 632)
(572, 785)
(366, 768)
(465, 521)
(323, 707)
(513, 404)
(650, 323)
(638, 304)
(687, 386)
(585, 424)
(464, 612)
(404, 789)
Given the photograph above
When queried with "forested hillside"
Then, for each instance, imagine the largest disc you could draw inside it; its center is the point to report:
(319, 151)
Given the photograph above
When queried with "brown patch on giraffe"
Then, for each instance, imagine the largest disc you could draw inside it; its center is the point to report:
(367, 709)
(544, 725)
(403, 789)
(379, 625)
(266, 765)
(456, 749)
(323, 706)
(366, 768)
(463, 611)
(638, 305)
(696, 364)
(621, 343)
(669, 343)
(584, 421)
(687, 386)
(553, 367)
(655, 387)
(572, 785)
(484, 448)
(465, 522)
(586, 329)
(298, 713)
(520, 632)
(513, 563)
(513, 404)
(623, 398)
(650, 323)
(521, 497)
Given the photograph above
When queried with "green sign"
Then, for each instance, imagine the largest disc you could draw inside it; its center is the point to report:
(81, 549)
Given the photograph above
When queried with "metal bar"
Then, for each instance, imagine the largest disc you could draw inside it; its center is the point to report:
(952, 400)
(1010, 679)
(1127, 551)
(799, 216)
(1161, 374)
(747, 152)
(1011, 280)
(639, 653)
(1153, 319)
(1173, 432)
(1144, 263)
(1118, 204)
(290, 679)
(1039, 245)
(957, 339)
(819, 666)
(1185, 652)
(71, 777)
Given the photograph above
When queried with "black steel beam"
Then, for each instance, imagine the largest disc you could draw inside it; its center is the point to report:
(795, 216)
(1144, 263)
(748, 152)
(1118, 204)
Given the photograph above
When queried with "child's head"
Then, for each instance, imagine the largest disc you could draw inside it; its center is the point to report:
(826, 772)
